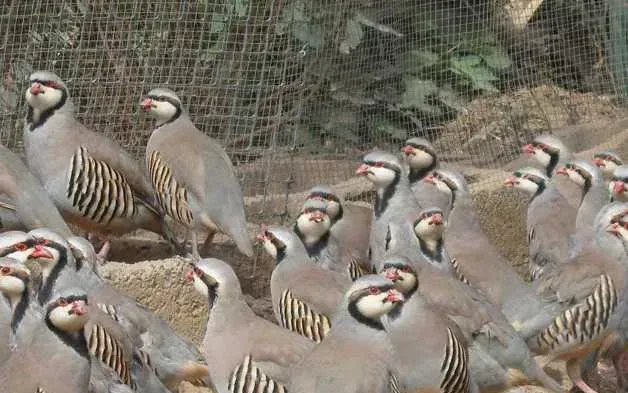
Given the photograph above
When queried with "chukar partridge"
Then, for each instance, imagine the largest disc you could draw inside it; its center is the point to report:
(173, 358)
(19, 316)
(305, 296)
(393, 196)
(550, 220)
(94, 183)
(499, 358)
(198, 189)
(422, 160)
(244, 352)
(549, 151)
(439, 363)
(27, 198)
(607, 161)
(356, 356)
(313, 226)
(617, 185)
(56, 360)
(595, 194)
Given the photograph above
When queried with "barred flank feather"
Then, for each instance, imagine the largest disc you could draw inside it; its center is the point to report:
(247, 378)
(300, 318)
(102, 346)
(456, 266)
(454, 368)
(172, 198)
(97, 190)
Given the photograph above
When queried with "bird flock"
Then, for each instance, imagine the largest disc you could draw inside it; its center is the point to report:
(407, 296)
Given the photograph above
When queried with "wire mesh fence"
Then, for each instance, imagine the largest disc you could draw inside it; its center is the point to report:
(297, 90)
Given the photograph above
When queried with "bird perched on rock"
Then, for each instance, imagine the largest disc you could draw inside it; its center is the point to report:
(56, 360)
(356, 356)
(198, 189)
(243, 351)
(305, 296)
(27, 198)
(550, 220)
(94, 183)
(550, 152)
(422, 160)
(617, 186)
(607, 161)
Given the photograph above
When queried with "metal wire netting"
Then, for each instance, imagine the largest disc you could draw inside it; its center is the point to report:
(297, 90)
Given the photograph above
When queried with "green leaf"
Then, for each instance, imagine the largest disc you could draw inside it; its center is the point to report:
(386, 127)
(448, 96)
(301, 25)
(312, 34)
(417, 92)
(241, 8)
(353, 36)
(416, 60)
(466, 62)
(495, 57)
(472, 68)
(293, 13)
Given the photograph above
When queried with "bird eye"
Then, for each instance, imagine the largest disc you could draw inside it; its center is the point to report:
(62, 302)
(5, 270)
(405, 269)
(374, 291)
(21, 246)
(378, 164)
(43, 242)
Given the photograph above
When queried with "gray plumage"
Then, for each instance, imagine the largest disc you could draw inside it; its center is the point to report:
(28, 199)
(550, 221)
(430, 351)
(356, 356)
(305, 296)
(198, 189)
(94, 183)
(617, 186)
(393, 198)
(239, 345)
(56, 360)
(422, 160)
(550, 152)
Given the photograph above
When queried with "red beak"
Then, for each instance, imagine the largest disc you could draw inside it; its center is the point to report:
(362, 170)
(437, 219)
(614, 229)
(561, 171)
(529, 149)
(36, 89)
(189, 276)
(394, 296)
(600, 162)
(147, 104)
(316, 216)
(618, 187)
(392, 275)
(511, 181)
(430, 179)
(40, 252)
(79, 307)
(408, 150)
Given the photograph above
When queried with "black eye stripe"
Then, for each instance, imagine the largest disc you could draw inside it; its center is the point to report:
(383, 164)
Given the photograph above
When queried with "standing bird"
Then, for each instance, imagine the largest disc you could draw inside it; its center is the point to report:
(617, 186)
(198, 189)
(305, 296)
(422, 160)
(607, 161)
(56, 360)
(27, 199)
(244, 352)
(313, 227)
(550, 221)
(595, 194)
(550, 152)
(356, 356)
(94, 183)
(431, 352)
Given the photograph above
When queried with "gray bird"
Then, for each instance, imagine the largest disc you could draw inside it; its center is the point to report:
(499, 358)
(550, 221)
(305, 296)
(56, 360)
(439, 363)
(19, 317)
(172, 357)
(595, 194)
(607, 161)
(313, 227)
(550, 152)
(198, 189)
(617, 186)
(95, 184)
(240, 346)
(393, 199)
(356, 356)
(27, 198)
(422, 160)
